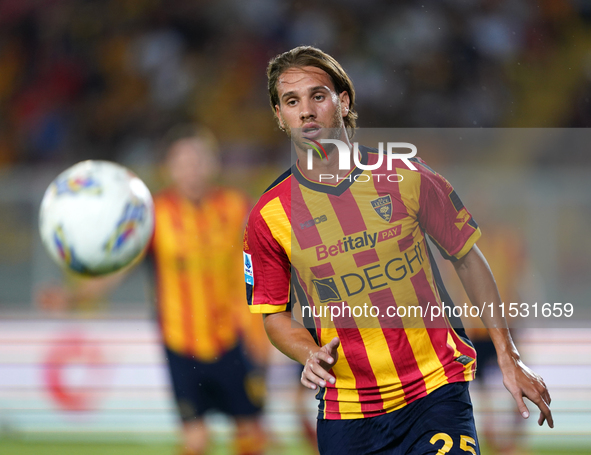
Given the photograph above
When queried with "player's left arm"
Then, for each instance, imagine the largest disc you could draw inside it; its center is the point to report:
(520, 381)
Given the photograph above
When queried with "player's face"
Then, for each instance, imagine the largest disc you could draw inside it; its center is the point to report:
(308, 104)
(192, 166)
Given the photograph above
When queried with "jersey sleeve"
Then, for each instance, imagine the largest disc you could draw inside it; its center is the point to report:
(267, 270)
(443, 215)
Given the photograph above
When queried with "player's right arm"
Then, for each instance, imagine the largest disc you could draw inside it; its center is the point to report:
(295, 341)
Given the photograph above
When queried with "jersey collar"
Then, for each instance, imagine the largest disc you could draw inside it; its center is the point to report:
(329, 188)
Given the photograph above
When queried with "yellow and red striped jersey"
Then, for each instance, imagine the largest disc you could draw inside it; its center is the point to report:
(363, 242)
(195, 253)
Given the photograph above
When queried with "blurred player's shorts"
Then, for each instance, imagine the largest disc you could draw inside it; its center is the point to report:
(231, 385)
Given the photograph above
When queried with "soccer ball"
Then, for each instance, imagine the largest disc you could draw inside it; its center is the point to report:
(96, 217)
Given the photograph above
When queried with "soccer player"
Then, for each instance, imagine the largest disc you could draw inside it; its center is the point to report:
(195, 257)
(195, 254)
(355, 238)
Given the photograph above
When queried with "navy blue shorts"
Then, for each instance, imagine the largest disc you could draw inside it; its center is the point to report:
(231, 385)
(440, 423)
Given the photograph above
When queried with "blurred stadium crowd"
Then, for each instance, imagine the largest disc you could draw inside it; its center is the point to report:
(106, 79)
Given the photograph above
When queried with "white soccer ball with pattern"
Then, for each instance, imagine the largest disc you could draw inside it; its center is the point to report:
(96, 217)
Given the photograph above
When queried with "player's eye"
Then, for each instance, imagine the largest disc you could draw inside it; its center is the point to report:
(291, 102)
(319, 97)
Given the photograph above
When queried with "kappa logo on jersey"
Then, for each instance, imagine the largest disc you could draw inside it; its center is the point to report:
(248, 271)
(383, 207)
(327, 290)
(313, 222)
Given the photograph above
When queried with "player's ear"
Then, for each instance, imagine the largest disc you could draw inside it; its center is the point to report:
(345, 102)
(278, 117)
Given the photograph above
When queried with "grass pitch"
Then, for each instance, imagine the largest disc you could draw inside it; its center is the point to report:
(15, 447)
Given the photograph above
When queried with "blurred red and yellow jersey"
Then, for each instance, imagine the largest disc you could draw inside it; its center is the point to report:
(196, 255)
(363, 242)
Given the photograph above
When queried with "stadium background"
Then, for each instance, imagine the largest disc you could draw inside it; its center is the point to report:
(108, 79)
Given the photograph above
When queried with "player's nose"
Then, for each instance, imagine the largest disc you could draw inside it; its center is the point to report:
(307, 111)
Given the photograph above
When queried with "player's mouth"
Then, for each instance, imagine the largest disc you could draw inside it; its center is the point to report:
(311, 130)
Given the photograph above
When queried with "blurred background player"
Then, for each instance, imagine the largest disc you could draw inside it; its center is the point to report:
(206, 330)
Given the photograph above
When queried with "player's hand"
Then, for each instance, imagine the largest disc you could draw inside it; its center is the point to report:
(521, 382)
(319, 363)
